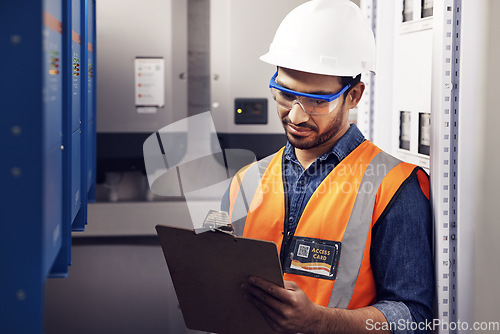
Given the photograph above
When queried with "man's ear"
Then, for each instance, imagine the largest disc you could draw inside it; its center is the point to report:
(355, 95)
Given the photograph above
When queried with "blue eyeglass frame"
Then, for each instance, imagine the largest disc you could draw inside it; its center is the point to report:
(329, 97)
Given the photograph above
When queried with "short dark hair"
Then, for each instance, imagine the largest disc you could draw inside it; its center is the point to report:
(350, 80)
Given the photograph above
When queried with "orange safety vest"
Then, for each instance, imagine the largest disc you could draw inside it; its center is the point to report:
(338, 218)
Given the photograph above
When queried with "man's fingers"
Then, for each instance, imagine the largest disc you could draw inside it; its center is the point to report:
(273, 317)
(271, 288)
(262, 295)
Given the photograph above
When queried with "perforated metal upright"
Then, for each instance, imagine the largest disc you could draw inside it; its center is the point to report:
(444, 159)
(365, 108)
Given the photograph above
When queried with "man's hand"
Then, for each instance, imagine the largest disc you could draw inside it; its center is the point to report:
(287, 310)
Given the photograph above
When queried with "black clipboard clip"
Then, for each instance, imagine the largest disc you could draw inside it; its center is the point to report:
(216, 221)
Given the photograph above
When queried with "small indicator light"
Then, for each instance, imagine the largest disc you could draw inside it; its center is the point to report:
(239, 111)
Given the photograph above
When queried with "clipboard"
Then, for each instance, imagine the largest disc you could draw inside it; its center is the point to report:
(207, 270)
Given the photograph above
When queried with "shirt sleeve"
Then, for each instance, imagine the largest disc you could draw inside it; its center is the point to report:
(402, 262)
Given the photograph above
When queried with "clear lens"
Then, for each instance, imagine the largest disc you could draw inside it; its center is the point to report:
(309, 105)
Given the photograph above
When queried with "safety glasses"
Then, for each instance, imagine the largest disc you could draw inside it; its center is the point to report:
(312, 104)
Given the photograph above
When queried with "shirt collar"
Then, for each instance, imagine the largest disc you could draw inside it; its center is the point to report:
(342, 148)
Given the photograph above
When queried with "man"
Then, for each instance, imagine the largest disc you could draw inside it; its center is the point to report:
(352, 224)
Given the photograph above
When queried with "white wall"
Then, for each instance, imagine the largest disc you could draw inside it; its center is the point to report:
(470, 149)
(154, 28)
(487, 266)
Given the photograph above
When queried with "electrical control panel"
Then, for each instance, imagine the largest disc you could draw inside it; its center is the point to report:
(250, 111)
(412, 81)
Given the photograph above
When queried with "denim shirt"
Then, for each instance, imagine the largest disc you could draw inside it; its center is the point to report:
(401, 245)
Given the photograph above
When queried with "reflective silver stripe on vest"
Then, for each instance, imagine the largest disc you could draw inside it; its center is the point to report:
(356, 233)
(248, 187)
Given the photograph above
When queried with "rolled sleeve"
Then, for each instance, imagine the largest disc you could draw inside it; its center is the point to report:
(397, 315)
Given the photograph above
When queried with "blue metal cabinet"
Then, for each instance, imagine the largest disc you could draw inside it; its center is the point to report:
(76, 68)
(31, 219)
(52, 109)
(44, 140)
(91, 153)
(91, 100)
(80, 135)
(75, 168)
(76, 190)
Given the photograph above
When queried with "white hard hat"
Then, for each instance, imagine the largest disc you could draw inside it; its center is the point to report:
(325, 37)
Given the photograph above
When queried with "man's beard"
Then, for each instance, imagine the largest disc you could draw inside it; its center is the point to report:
(302, 143)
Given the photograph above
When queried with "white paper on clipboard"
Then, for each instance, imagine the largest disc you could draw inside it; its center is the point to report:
(149, 83)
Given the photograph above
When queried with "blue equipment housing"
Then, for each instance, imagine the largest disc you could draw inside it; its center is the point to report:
(47, 139)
